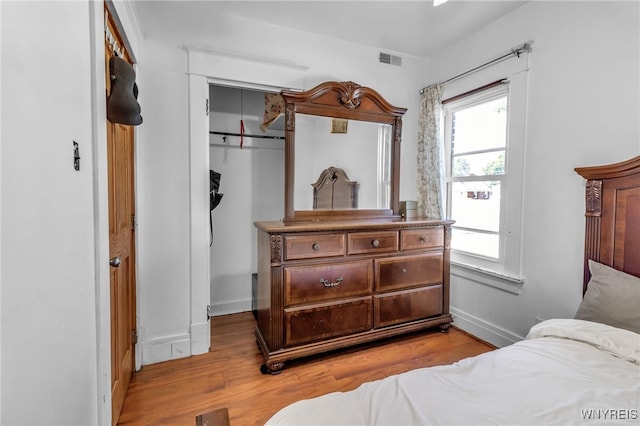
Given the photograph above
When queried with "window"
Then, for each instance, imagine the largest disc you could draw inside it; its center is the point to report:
(476, 140)
(484, 135)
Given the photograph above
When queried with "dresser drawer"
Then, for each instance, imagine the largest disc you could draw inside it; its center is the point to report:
(394, 273)
(319, 322)
(305, 284)
(372, 242)
(414, 239)
(407, 305)
(313, 245)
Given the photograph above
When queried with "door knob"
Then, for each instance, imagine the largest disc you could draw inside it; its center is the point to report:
(114, 261)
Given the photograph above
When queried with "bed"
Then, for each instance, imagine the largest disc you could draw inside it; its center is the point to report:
(581, 370)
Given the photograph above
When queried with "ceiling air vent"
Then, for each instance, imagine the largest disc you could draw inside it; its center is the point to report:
(387, 58)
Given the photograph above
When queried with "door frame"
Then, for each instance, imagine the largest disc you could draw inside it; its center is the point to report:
(122, 14)
(200, 257)
(204, 69)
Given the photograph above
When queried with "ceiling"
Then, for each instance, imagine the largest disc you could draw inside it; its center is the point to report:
(414, 27)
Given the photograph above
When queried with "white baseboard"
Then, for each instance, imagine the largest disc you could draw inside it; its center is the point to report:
(160, 349)
(231, 307)
(166, 348)
(200, 338)
(484, 330)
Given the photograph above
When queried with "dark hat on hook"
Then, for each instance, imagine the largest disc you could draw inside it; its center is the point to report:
(122, 104)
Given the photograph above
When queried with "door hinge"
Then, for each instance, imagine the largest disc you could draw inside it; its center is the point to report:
(209, 311)
(134, 222)
(206, 108)
(134, 336)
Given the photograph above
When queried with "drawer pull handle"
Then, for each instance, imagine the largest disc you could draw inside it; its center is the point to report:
(329, 284)
(315, 246)
(375, 243)
(404, 270)
(424, 239)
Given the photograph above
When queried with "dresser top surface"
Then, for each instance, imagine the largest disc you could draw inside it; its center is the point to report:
(347, 225)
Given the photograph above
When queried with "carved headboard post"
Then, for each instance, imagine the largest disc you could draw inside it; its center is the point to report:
(593, 214)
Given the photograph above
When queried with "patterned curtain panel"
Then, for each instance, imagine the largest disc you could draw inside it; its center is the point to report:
(430, 155)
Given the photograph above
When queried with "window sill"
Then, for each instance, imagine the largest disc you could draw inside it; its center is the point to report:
(497, 280)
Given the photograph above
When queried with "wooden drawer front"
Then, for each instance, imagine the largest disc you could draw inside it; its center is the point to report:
(304, 284)
(408, 305)
(373, 242)
(314, 245)
(414, 239)
(319, 322)
(394, 273)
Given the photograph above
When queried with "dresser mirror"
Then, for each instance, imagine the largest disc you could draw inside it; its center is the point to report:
(343, 126)
(363, 152)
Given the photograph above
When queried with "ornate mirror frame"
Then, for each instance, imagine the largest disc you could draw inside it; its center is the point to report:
(345, 100)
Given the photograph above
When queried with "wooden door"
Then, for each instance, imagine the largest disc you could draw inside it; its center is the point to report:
(120, 163)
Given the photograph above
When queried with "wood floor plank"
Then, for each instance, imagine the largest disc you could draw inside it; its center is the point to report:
(175, 392)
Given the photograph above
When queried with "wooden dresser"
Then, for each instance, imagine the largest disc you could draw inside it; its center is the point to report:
(329, 285)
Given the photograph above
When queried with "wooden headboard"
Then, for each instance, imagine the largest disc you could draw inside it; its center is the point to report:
(612, 235)
(334, 190)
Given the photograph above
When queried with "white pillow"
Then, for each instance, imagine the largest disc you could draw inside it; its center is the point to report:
(612, 297)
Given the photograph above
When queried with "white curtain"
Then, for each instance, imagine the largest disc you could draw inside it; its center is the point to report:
(430, 154)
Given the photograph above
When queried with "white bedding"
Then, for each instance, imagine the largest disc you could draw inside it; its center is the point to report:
(565, 372)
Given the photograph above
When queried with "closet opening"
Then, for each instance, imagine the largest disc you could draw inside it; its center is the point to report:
(246, 147)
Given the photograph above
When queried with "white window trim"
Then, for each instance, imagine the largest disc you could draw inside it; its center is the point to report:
(487, 277)
(505, 274)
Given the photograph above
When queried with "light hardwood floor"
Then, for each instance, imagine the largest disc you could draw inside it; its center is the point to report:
(175, 392)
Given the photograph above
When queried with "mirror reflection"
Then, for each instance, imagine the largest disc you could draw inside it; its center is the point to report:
(334, 155)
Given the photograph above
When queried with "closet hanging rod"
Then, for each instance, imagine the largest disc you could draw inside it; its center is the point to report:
(219, 145)
(246, 135)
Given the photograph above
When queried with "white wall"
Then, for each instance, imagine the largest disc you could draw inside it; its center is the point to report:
(163, 167)
(163, 203)
(50, 372)
(583, 109)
